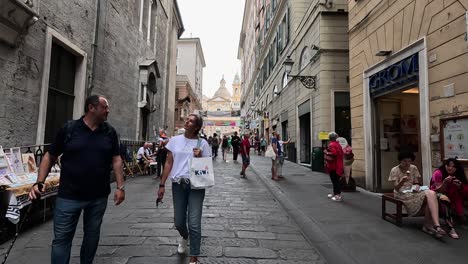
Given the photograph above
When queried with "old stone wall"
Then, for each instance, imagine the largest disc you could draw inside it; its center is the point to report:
(120, 49)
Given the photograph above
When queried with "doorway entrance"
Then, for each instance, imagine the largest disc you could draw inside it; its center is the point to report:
(397, 129)
(305, 139)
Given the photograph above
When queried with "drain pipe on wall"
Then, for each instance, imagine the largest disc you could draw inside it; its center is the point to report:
(94, 49)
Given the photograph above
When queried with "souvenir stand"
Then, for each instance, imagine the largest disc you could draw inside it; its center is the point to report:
(18, 173)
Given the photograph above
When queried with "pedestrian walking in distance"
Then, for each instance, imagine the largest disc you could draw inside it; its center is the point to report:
(89, 146)
(235, 140)
(334, 165)
(224, 147)
(188, 202)
(245, 153)
(215, 145)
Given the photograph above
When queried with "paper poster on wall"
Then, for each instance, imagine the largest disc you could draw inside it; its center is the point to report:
(455, 138)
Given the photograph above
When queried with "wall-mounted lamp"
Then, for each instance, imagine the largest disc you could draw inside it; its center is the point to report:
(308, 81)
(383, 53)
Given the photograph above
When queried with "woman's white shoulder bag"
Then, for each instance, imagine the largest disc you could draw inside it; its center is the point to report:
(201, 171)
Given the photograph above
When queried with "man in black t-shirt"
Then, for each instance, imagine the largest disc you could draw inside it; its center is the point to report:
(89, 147)
(235, 141)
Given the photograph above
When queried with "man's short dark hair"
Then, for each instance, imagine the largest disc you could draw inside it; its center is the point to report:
(406, 155)
(92, 100)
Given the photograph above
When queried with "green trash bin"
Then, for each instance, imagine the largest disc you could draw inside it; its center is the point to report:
(317, 159)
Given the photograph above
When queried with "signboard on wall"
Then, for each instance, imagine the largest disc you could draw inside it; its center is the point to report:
(454, 138)
(323, 135)
(402, 73)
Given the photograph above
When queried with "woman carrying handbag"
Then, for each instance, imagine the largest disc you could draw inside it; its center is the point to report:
(188, 202)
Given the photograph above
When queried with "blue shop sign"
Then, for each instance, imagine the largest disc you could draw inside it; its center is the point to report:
(391, 78)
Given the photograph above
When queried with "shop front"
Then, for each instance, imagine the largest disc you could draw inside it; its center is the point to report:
(396, 115)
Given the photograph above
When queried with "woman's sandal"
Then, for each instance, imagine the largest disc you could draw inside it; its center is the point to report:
(439, 232)
(453, 234)
(436, 231)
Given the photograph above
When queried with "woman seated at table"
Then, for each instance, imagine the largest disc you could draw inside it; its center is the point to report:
(450, 180)
(407, 181)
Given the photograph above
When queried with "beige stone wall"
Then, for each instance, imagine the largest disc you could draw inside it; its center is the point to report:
(393, 25)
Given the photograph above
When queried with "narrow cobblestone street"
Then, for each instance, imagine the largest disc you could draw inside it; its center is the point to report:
(242, 223)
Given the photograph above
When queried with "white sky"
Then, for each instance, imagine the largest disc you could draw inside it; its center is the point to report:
(218, 24)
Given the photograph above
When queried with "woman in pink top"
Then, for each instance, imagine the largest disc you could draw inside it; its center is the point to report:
(450, 180)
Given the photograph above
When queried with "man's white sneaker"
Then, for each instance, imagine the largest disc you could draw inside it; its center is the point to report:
(330, 195)
(182, 248)
(337, 198)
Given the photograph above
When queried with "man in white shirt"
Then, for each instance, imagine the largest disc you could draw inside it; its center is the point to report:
(143, 156)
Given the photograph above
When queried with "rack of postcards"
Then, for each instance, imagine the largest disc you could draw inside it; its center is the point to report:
(18, 173)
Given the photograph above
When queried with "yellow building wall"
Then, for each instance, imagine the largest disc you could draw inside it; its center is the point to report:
(392, 25)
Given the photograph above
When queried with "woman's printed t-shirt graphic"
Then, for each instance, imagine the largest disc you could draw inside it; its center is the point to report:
(182, 151)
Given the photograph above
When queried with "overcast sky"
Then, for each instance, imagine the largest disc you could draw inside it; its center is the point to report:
(217, 23)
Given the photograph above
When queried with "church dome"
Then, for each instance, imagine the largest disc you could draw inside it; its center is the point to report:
(222, 90)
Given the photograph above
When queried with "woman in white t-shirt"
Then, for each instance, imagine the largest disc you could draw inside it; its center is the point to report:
(188, 202)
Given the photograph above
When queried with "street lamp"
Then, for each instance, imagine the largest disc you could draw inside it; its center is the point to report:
(308, 81)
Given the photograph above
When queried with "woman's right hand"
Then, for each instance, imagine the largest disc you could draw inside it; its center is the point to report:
(161, 192)
(448, 179)
(405, 178)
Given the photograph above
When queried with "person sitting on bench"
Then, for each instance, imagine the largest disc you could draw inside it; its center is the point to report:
(143, 157)
(407, 181)
(450, 180)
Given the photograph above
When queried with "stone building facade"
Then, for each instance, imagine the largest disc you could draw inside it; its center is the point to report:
(313, 34)
(124, 50)
(186, 102)
(408, 75)
(190, 62)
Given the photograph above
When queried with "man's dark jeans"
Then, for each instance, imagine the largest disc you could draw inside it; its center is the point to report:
(335, 179)
(235, 152)
(66, 215)
(214, 151)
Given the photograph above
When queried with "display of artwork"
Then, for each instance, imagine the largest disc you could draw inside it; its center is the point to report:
(29, 162)
(3, 159)
(16, 160)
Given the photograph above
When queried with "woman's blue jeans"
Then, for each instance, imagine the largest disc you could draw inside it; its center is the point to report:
(66, 215)
(188, 202)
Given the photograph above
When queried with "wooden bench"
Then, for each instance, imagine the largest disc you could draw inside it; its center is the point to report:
(398, 215)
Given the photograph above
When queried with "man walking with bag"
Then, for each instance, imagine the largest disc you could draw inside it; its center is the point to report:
(90, 146)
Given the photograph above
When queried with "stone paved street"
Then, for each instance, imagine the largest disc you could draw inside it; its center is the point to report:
(242, 223)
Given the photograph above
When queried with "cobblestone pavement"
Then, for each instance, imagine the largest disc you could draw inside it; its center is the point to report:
(242, 223)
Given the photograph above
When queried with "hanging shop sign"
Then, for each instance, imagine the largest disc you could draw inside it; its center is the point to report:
(402, 73)
(223, 123)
